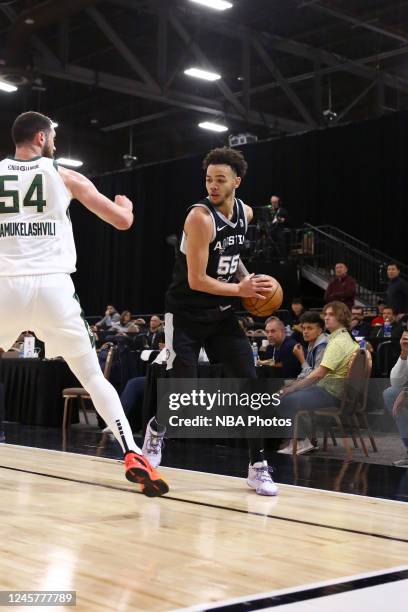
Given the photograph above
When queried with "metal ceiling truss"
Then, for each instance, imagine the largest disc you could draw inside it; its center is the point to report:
(230, 105)
(137, 89)
(356, 22)
(220, 25)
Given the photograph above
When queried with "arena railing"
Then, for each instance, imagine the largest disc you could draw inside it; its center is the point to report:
(323, 246)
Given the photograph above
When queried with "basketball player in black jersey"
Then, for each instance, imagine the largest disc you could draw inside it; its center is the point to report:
(200, 299)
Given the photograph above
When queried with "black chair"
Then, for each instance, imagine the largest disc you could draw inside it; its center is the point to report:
(351, 410)
(384, 354)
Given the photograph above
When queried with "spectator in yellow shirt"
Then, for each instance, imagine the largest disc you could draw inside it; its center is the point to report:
(323, 387)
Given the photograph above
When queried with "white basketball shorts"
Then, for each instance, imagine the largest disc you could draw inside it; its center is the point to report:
(48, 306)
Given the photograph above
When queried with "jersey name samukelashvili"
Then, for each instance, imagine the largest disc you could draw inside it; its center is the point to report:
(223, 258)
(35, 228)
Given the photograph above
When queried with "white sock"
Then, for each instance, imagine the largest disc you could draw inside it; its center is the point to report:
(104, 398)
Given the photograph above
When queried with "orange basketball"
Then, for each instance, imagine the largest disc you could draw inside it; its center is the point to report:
(264, 308)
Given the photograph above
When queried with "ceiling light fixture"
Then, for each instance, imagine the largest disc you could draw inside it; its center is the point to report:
(213, 127)
(73, 163)
(7, 87)
(219, 5)
(197, 73)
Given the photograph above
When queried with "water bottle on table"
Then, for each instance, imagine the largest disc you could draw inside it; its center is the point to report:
(255, 352)
(387, 328)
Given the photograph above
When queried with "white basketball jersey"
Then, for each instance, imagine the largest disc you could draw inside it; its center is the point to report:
(35, 228)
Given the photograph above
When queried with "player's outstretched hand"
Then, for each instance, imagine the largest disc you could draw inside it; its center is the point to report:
(252, 285)
(124, 202)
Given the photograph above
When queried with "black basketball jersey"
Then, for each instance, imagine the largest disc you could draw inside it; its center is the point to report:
(223, 258)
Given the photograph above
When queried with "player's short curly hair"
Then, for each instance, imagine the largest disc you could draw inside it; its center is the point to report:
(229, 157)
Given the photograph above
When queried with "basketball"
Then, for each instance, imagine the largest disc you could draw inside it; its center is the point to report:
(264, 308)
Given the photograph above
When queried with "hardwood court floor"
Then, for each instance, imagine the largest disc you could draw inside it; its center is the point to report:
(72, 522)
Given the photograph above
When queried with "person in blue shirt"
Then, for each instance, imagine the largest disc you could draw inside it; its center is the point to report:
(279, 353)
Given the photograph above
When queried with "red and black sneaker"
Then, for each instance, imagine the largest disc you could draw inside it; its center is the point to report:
(139, 470)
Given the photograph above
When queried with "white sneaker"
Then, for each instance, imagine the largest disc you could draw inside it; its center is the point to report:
(287, 450)
(259, 478)
(305, 446)
(153, 445)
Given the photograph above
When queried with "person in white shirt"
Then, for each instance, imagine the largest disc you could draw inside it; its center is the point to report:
(395, 397)
(37, 256)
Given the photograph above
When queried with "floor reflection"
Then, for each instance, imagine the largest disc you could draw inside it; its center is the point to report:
(213, 456)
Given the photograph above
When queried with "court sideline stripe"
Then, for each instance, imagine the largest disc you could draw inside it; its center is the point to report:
(273, 600)
(208, 505)
(311, 489)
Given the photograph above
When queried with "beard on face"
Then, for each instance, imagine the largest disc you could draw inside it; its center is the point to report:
(48, 149)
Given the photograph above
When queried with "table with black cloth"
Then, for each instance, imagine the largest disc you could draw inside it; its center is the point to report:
(33, 390)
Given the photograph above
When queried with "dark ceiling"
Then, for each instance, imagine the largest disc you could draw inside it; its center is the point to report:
(111, 72)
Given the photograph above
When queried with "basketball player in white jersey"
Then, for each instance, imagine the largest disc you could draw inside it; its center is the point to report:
(37, 256)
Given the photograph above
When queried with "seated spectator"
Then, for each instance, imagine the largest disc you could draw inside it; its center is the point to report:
(391, 317)
(297, 309)
(124, 323)
(313, 334)
(379, 319)
(111, 317)
(342, 288)
(155, 335)
(141, 323)
(279, 353)
(395, 397)
(323, 387)
(359, 327)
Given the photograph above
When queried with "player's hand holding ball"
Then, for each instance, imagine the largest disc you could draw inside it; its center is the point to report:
(252, 285)
(262, 294)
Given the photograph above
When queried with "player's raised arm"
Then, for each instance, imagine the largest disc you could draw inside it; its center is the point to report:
(198, 230)
(118, 213)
